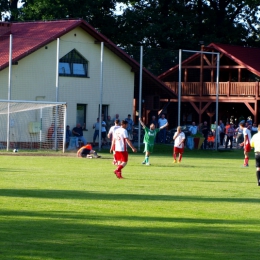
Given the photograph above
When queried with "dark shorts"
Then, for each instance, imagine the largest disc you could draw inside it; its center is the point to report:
(104, 135)
(257, 160)
(84, 152)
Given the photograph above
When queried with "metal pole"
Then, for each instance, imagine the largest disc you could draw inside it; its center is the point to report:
(101, 94)
(9, 91)
(140, 95)
(179, 89)
(217, 94)
(57, 93)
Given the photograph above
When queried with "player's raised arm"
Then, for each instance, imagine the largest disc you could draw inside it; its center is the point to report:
(141, 122)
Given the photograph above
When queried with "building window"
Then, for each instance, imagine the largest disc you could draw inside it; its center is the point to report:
(81, 114)
(73, 64)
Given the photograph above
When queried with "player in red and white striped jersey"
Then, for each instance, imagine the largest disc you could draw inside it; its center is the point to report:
(246, 143)
(119, 145)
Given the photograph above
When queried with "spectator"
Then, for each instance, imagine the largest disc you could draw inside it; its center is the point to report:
(96, 133)
(109, 123)
(254, 129)
(239, 137)
(230, 133)
(205, 132)
(161, 122)
(221, 132)
(78, 132)
(68, 135)
(116, 118)
(193, 129)
(130, 127)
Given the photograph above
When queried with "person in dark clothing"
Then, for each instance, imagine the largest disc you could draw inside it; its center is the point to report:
(205, 131)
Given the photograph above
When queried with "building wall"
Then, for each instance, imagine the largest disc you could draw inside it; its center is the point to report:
(34, 78)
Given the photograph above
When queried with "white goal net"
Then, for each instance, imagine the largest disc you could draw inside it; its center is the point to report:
(33, 125)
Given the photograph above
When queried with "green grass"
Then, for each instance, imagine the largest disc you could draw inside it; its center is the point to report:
(207, 207)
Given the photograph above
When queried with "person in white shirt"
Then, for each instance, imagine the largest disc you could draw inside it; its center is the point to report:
(193, 129)
(179, 139)
(246, 143)
(119, 145)
(161, 122)
(255, 142)
(110, 135)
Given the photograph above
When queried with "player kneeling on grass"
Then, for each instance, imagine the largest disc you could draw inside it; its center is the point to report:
(179, 139)
(149, 138)
(87, 152)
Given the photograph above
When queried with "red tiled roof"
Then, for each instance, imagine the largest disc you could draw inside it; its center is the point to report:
(30, 36)
(245, 56)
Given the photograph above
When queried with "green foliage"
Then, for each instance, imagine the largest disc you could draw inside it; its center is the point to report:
(155, 24)
(66, 208)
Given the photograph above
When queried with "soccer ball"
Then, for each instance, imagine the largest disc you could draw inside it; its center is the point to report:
(15, 150)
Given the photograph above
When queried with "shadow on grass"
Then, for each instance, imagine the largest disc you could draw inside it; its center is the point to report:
(68, 235)
(87, 195)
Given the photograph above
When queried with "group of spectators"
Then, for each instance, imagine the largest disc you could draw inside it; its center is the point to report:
(227, 134)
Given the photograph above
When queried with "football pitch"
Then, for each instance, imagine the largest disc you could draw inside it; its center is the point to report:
(63, 207)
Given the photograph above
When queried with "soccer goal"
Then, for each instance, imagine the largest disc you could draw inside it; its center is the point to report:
(32, 125)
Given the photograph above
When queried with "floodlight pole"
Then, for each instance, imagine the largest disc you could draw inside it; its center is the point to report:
(179, 89)
(101, 94)
(140, 95)
(9, 90)
(217, 94)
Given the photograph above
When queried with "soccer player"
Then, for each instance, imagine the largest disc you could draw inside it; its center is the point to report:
(255, 142)
(246, 143)
(179, 139)
(87, 152)
(119, 145)
(149, 138)
(111, 134)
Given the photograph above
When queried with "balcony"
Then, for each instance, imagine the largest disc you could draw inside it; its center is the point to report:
(228, 89)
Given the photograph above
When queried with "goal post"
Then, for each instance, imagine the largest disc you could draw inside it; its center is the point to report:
(32, 125)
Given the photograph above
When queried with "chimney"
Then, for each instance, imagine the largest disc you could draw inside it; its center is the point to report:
(5, 28)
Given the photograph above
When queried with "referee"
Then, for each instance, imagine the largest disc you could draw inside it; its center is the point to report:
(255, 142)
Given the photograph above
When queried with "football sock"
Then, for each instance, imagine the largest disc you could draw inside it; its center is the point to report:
(120, 167)
(147, 159)
(258, 176)
(174, 156)
(246, 160)
(180, 157)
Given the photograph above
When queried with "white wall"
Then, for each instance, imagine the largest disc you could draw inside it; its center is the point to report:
(34, 78)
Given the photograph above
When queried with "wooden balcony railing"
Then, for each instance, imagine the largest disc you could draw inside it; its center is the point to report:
(233, 89)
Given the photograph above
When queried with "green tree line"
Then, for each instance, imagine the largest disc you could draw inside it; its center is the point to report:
(154, 24)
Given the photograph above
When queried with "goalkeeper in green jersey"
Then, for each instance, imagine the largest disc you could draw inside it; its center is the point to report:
(149, 138)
